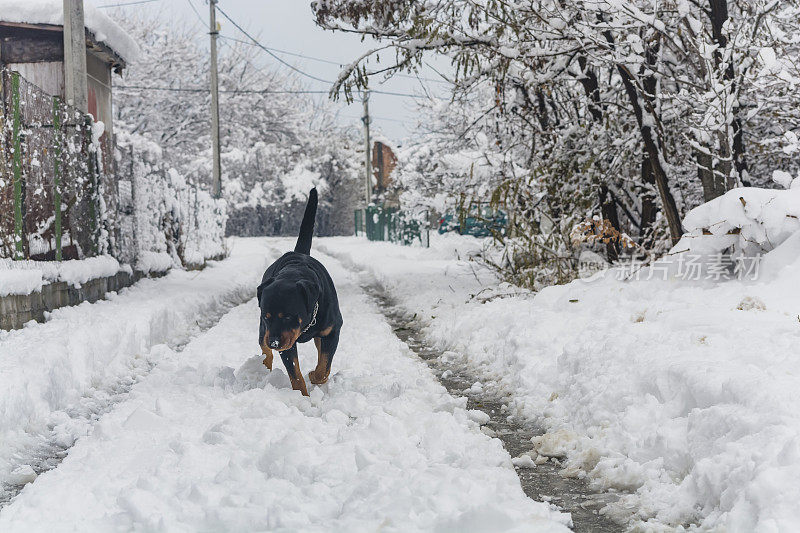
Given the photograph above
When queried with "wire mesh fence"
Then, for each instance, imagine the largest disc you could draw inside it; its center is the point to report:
(67, 191)
(57, 200)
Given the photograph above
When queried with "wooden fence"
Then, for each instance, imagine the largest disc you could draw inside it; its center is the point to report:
(57, 185)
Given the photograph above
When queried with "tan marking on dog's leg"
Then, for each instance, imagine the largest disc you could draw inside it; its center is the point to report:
(267, 357)
(266, 350)
(325, 332)
(319, 375)
(299, 383)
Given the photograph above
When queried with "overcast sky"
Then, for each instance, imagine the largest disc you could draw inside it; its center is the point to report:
(288, 25)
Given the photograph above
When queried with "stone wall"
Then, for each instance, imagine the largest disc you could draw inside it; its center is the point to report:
(17, 309)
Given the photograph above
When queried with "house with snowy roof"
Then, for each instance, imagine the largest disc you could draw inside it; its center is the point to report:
(32, 42)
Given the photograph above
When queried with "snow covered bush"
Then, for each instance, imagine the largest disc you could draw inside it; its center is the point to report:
(276, 143)
(746, 221)
(167, 220)
(634, 111)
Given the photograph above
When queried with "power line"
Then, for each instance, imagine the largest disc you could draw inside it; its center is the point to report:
(234, 50)
(251, 91)
(256, 91)
(270, 52)
(375, 117)
(328, 61)
(204, 90)
(127, 4)
(267, 50)
(196, 12)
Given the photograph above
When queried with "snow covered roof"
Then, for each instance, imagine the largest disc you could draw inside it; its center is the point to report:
(51, 12)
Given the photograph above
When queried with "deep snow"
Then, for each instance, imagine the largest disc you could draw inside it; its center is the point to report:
(681, 395)
(25, 277)
(210, 440)
(49, 370)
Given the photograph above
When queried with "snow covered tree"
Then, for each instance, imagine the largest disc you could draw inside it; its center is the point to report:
(274, 141)
(643, 109)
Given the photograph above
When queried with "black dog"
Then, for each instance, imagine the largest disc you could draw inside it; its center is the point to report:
(298, 303)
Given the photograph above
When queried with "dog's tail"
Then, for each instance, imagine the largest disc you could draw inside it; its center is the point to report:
(303, 245)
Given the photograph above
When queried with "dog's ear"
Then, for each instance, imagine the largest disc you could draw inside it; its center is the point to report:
(310, 293)
(262, 286)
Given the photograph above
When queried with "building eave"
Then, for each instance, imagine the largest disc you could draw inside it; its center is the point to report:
(105, 52)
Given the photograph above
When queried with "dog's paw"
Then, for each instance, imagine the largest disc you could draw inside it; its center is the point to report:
(312, 377)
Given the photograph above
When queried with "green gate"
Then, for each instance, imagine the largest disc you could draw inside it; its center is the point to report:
(378, 223)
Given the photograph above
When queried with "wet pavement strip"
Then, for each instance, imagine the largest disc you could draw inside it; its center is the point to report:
(50, 451)
(541, 482)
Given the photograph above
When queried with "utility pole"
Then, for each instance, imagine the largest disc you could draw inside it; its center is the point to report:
(75, 89)
(214, 31)
(368, 163)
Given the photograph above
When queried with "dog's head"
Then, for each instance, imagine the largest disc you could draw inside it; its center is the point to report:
(287, 306)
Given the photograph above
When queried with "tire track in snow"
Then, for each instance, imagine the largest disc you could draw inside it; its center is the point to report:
(541, 483)
(51, 448)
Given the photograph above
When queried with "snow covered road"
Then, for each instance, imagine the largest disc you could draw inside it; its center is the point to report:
(678, 396)
(210, 440)
(58, 376)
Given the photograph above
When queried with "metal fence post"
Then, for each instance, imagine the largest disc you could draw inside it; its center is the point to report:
(17, 163)
(57, 140)
(93, 188)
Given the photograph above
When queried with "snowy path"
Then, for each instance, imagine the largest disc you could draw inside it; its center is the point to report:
(210, 440)
(59, 376)
(678, 396)
(542, 481)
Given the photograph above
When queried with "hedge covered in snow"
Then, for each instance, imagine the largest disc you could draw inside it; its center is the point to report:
(168, 221)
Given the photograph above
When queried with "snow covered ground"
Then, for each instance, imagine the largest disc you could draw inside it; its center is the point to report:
(209, 440)
(55, 375)
(680, 395)
(25, 277)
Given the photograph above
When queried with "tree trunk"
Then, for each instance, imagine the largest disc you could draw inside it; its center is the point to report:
(731, 142)
(651, 145)
(713, 182)
(654, 155)
(649, 207)
(608, 204)
(592, 89)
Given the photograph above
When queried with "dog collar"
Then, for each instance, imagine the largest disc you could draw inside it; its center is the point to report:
(313, 318)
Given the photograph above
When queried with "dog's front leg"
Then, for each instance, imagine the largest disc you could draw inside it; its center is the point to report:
(267, 357)
(326, 348)
(263, 341)
(289, 358)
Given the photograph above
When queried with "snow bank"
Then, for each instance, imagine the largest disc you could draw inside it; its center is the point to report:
(104, 29)
(25, 277)
(154, 262)
(20, 281)
(68, 364)
(680, 396)
(211, 440)
(752, 220)
(77, 272)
